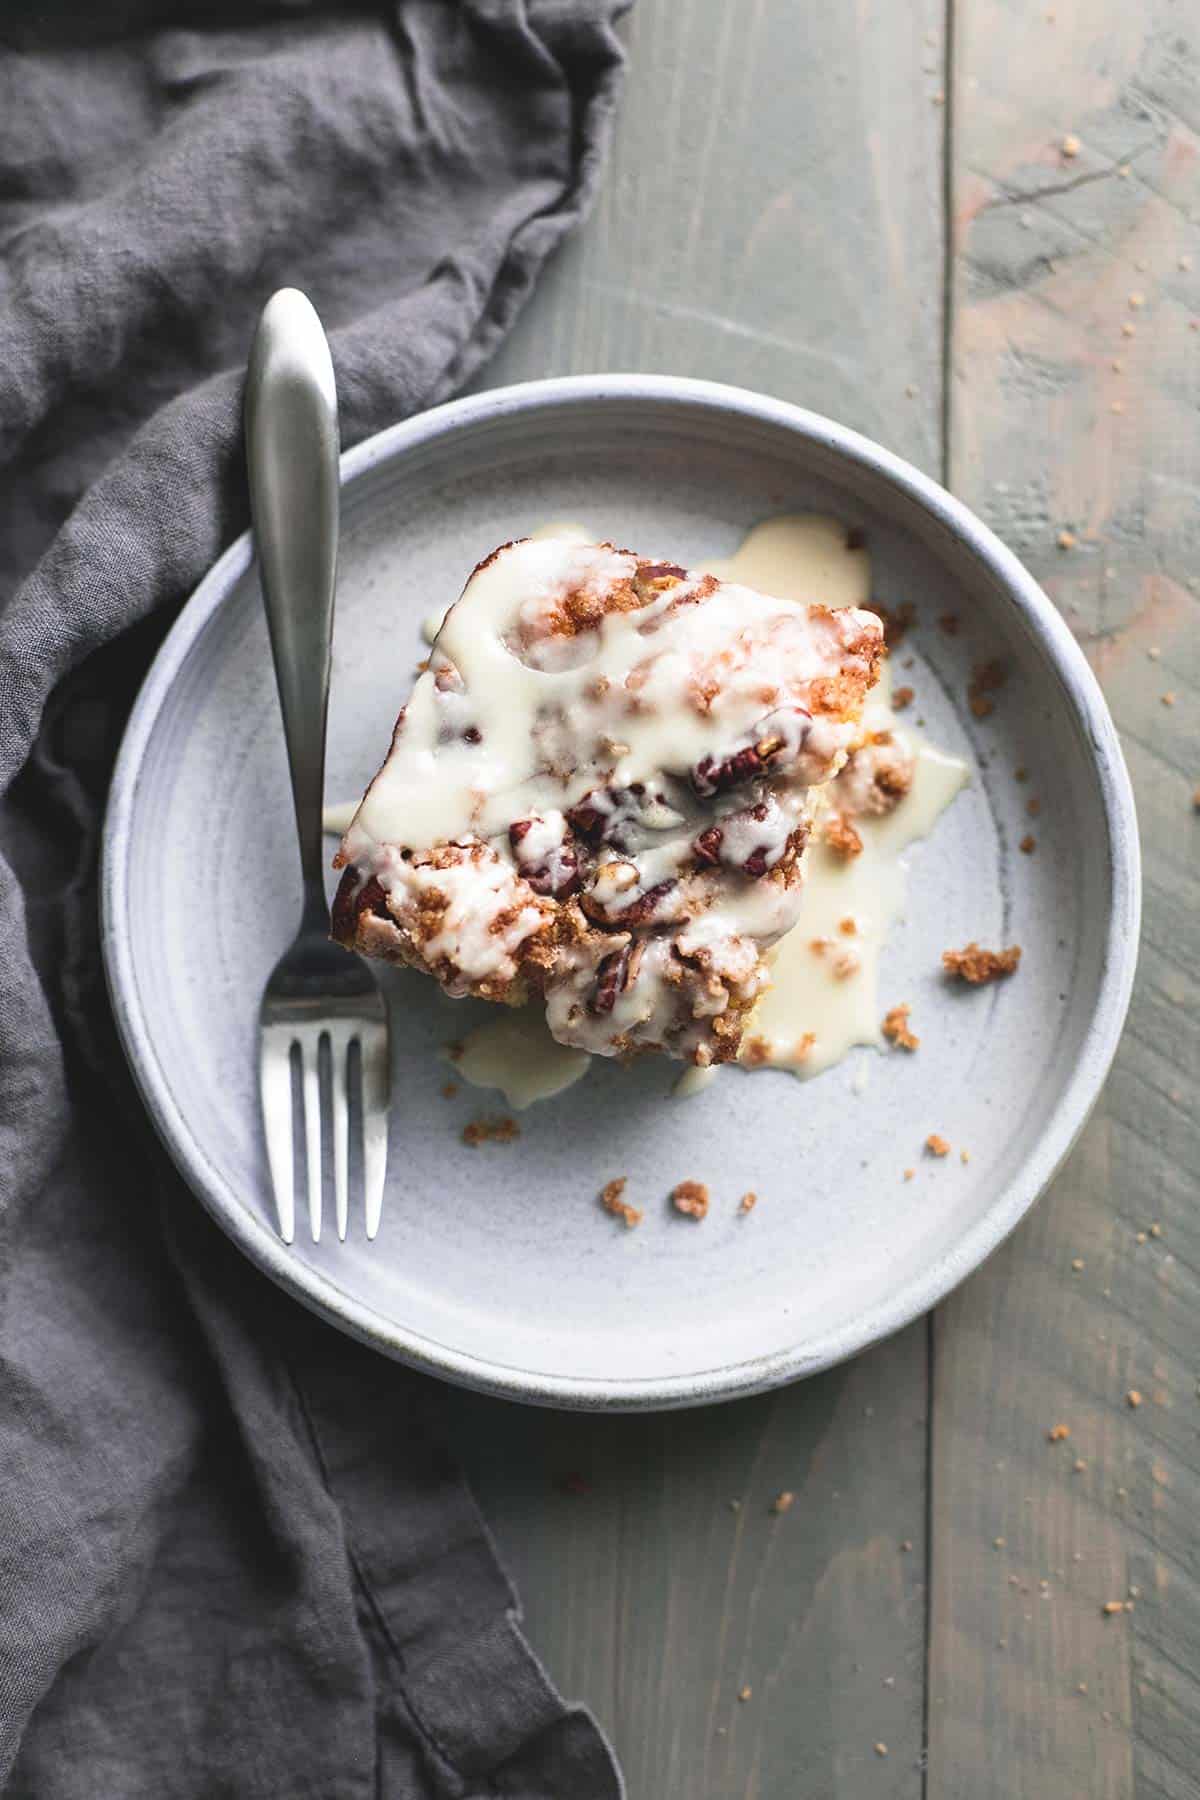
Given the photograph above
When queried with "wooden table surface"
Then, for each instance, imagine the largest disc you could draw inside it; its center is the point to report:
(974, 233)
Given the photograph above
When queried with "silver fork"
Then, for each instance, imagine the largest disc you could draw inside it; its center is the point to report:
(321, 1004)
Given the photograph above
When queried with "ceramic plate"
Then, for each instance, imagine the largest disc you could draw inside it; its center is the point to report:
(495, 1265)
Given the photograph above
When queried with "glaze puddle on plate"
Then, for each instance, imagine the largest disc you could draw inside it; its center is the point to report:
(516, 1054)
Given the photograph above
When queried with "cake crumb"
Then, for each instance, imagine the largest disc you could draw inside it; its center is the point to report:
(1168, 699)
(1066, 540)
(964, 1156)
(1113, 1606)
(1078, 1263)
(1033, 806)
(493, 1131)
(748, 1202)
(976, 965)
(1129, 329)
(611, 1199)
(745, 1693)
(1137, 301)
(909, 1173)
(937, 1145)
(848, 926)
(1156, 1229)
(1070, 145)
(449, 1089)
(1021, 774)
(902, 697)
(1057, 1433)
(756, 1051)
(1079, 1465)
(845, 964)
(1133, 1398)
(1028, 844)
(986, 678)
(881, 1749)
(803, 1045)
(895, 1028)
(690, 1198)
(842, 837)
(783, 1502)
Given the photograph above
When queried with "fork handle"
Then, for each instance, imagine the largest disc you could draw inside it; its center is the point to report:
(292, 455)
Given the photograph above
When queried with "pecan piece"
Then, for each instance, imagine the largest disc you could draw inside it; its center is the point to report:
(713, 845)
(638, 912)
(607, 813)
(611, 979)
(707, 847)
(551, 869)
(660, 571)
(778, 740)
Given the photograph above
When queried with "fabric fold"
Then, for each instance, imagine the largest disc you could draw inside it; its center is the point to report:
(235, 1559)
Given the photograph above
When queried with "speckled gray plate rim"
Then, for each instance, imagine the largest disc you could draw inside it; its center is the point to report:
(1031, 615)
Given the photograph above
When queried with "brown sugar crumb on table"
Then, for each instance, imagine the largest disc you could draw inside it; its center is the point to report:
(902, 697)
(1028, 844)
(748, 1202)
(937, 1145)
(783, 1502)
(1057, 1433)
(612, 1200)
(895, 1028)
(976, 965)
(490, 1131)
(690, 1198)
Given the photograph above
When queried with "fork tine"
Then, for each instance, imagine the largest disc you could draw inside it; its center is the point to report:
(275, 1087)
(310, 1080)
(376, 1083)
(339, 1055)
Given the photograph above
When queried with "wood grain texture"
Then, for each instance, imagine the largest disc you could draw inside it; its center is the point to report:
(1074, 407)
(771, 216)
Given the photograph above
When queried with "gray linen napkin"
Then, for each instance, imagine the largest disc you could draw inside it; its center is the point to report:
(233, 1558)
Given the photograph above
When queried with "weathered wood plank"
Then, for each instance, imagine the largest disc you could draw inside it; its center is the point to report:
(772, 216)
(1076, 374)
